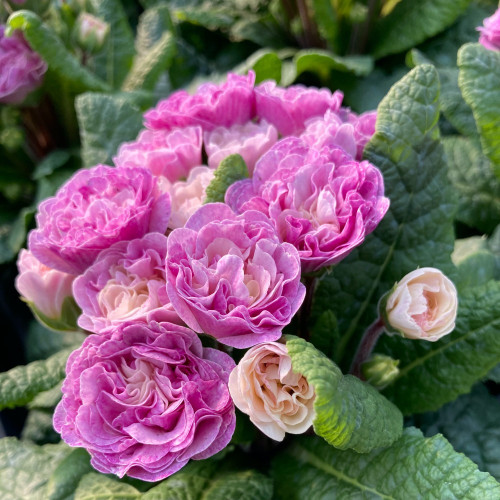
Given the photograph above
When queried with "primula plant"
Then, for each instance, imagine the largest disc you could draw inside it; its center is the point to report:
(250, 250)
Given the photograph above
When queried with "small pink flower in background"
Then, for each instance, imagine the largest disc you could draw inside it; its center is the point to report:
(230, 277)
(45, 288)
(22, 69)
(171, 154)
(321, 201)
(126, 283)
(187, 196)
(345, 130)
(250, 140)
(94, 209)
(423, 305)
(226, 104)
(146, 400)
(490, 32)
(289, 109)
(265, 387)
(91, 31)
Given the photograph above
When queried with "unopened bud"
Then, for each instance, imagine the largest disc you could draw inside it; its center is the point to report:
(91, 32)
(380, 370)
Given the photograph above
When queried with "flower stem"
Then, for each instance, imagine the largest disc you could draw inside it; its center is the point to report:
(365, 348)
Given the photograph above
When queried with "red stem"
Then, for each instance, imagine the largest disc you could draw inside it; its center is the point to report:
(365, 348)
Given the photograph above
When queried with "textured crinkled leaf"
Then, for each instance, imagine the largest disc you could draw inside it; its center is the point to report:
(197, 481)
(472, 425)
(114, 61)
(325, 333)
(25, 467)
(38, 428)
(479, 80)
(478, 189)
(21, 384)
(476, 263)
(349, 414)
(411, 22)
(418, 227)
(46, 400)
(148, 67)
(105, 122)
(434, 373)
(153, 23)
(231, 169)
(60, 61)
(413, 467)
(65, 478)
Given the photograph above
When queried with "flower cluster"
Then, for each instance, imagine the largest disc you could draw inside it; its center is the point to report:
(151, 267)
(490, 32)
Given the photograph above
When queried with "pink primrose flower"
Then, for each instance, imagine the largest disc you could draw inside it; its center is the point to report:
(42, 286)
(22, 69)
(289, 109)
(230, 277)
(171, 154)
(94, 209)
(321, 201)
(146, 400)
(490, 32)
(126, 283)
(250, 140)
(227, 104)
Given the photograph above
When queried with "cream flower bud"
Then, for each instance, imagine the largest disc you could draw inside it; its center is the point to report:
(91, 32)
(264, 386)
(423, 305)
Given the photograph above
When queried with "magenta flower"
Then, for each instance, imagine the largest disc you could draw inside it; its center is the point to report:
(250, 140)
(94, 209)
(146, 400)
(126, 283)
(345, 130)
(211, 106)
(22, 69)
(171, 154)
(230, 277)
(289, 109)
(490, 32)
(321, 201)
(41, 286)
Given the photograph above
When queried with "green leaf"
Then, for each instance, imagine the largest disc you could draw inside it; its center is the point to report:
(476, 263)
(326, 21)
(267, 67)
(434, 373)
(479, 81)
(65, 478)
(153, 23)
(25, 467)
(38, 428)
(105, 122)
(51, 162)
(472, 425)
(21, 384)
(473, 179)
(197, 481)
(61, 62)
(148, 67)
(418, 227)
(494, 374)
(325, 333)
(46, 400)
(413, 467)
(231, 169)
(114, 61)
(411, 22)
(349, 414)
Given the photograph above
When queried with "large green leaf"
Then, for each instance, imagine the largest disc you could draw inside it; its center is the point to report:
(105, 122)
(25, 467)
(413, 467)
(472, 425)
(349, 414)
(418, 228)
(148, 67)
(60, 61)
(153, 23)
(411, 22)
(434, 373)
(21, 384)
(197, 481)
(479, 80)
(114, 61)
(477, 187)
